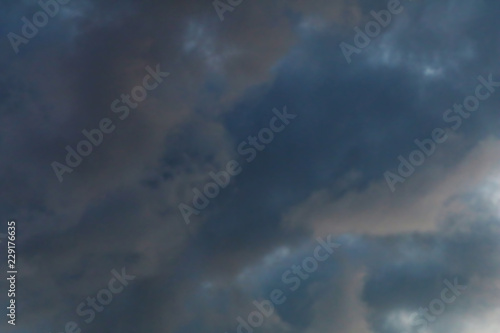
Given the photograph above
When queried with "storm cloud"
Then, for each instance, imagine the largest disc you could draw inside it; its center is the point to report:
(321, 176)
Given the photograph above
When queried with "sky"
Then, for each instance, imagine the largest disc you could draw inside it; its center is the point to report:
(278, 166)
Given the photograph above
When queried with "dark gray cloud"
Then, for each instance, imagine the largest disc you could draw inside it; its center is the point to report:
(322, 175)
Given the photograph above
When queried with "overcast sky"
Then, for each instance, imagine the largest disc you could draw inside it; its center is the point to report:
(231, 142)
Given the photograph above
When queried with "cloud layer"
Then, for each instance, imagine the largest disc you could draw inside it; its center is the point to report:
(322, 175)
